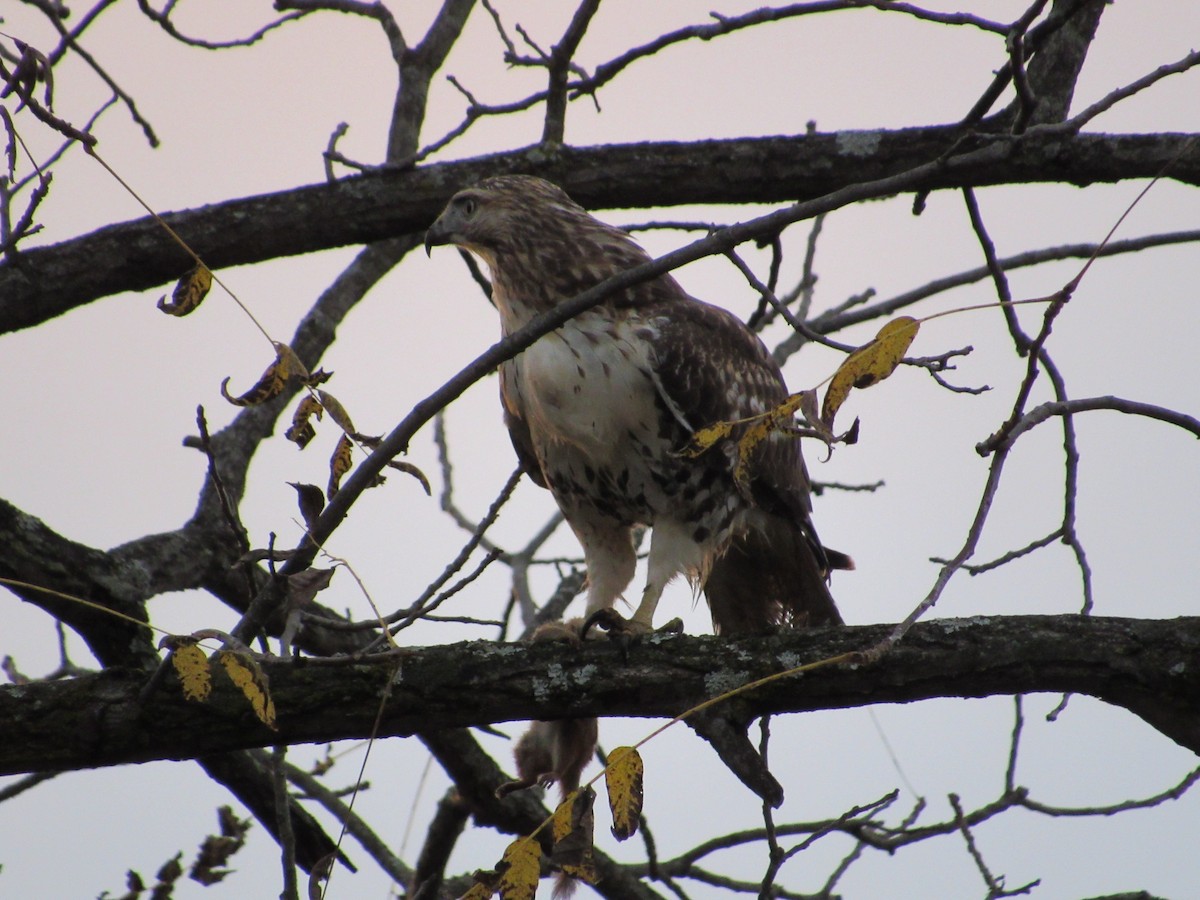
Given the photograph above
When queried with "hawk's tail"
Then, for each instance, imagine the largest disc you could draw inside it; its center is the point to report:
(771, 576)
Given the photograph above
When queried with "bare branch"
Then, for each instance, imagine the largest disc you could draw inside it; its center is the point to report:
(995, 885)
(559, 66)
(836, 319)
(1045, 411)
(163, 20)
(354, 825)
(1112, 99)
(55, 279)
(607, 71)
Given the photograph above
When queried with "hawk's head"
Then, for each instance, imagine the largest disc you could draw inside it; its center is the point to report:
(540, 245)
(504, 214)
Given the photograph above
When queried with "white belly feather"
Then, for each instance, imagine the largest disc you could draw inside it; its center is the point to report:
(587, 390)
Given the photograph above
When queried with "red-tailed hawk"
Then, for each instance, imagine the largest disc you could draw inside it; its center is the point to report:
(600, 409)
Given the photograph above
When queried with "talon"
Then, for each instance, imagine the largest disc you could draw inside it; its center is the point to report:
(675, 626)
(601, 618)
(618, 627)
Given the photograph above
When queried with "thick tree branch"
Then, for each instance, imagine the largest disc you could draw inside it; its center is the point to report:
(246, 775)
(1146, 666)
(138, 255)
(1054, 70)
(37, 555)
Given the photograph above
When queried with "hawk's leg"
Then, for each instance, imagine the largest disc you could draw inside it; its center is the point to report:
(672, 550)
(610, 557)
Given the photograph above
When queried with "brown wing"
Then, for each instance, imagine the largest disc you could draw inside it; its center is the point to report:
(712, 368)
(518, 428)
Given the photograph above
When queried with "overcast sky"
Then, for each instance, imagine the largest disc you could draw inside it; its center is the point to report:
(100, 400)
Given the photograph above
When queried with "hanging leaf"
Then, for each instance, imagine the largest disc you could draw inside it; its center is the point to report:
(486, 882)
(211, 865)
(10, 145)
(572, 830)
(311, 502)
(339, 464)
(318, 876)
(170, 871)
(705, 438)
(189, 292)
(318, 377)
(304, 586)
(191, 665)
(777, 418)
(869, 364)
(31, 67)
(302, 430)
(409, 469)
(336, 411)
(520, 869)
(251, 680)
(273, 380)
(623, 778)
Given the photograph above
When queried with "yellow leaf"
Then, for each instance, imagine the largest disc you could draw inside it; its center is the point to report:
(339, 464)
(273, 380)
(244, 672)
(623, 778)
(289, 358)
(704, 438)
(572, 830)
(521, 867)
(188, 293)
(301, 430)
(486, 882)
(479, 891)
(191, 665)
(773, 420)
(336, 411)
(869, 364)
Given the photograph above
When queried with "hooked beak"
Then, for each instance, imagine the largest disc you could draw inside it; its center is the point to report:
(437, 234)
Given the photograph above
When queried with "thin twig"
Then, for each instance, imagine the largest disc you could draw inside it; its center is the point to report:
(1111, 99)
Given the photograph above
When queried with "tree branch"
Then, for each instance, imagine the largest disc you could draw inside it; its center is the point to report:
(1145, 666)
(137, 255)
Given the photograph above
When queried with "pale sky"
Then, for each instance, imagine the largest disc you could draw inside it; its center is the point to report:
(100, 400)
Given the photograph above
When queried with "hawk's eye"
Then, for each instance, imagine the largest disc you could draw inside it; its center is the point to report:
(468, 205)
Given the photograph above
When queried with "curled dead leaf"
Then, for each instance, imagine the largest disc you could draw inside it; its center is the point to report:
(301, 430)
(339, 464)
(311, 502)
(189, 293)
(304, 586)
(572, 830)
(410, 469)
(273, 381)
